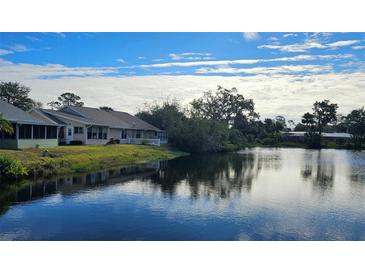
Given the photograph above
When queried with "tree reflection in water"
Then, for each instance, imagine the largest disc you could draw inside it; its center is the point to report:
(319, 169)
(219, 175)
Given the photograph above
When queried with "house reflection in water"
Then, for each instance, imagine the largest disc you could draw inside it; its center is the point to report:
(67, 185)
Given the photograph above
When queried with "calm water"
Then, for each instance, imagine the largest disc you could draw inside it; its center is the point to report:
(258, 194)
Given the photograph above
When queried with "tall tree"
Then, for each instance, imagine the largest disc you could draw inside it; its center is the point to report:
(66, 99)
(324, 113)
(224, 105)
(5, 125)
(355, 122)
(16, 94)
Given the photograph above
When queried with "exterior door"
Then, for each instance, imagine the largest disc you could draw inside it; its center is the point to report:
(69, 134)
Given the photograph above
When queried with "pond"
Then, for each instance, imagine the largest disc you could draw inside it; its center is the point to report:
(256, 194)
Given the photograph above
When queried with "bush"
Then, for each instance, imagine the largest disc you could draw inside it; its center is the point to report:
(75, 143)
(11, 168)
(113, 141)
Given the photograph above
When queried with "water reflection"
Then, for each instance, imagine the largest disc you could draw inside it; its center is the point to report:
(319, 169)
(69, 185)
(256, 194)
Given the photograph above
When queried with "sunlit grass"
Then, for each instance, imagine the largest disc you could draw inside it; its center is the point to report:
(71, 159)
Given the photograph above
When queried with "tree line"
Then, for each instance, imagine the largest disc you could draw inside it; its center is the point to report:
(220, 120)
(224, 120)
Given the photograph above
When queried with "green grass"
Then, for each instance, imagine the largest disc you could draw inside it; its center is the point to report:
(86, 158)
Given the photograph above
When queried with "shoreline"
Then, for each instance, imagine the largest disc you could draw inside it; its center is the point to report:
(64, 160)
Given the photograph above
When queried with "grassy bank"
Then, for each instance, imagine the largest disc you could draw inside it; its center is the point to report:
(80, 159)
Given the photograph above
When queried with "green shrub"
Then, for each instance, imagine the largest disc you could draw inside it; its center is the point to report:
(11, 168)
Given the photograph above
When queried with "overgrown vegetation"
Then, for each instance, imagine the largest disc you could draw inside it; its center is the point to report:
(11, 168)
(225, 120)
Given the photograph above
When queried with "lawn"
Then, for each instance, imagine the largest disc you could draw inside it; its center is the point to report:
(85, 158)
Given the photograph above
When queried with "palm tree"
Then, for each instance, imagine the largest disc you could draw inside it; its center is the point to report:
(5, 125)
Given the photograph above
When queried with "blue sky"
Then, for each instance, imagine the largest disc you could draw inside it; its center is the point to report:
(132, 68)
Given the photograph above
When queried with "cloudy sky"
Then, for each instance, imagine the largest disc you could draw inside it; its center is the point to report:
(283, 72)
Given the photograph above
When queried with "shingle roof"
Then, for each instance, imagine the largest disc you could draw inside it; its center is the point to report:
(14, 114)
(57, 115)
(324, 134)
(95, 116)
(132, 121)
(98, 116)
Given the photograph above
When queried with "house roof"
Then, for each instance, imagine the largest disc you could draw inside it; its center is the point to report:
(324, 134)
(98, 117)
(133, 121)
(57, 115)
(17, 115)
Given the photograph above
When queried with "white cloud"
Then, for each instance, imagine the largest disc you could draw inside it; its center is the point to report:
(245, 61)
(342, 43)
(309, 44)
(5, 52)
(358, 47)
(19, 48)
(12, 72)
(60, 34)
(291, 95)
(191, 56)
(249, 36)
(141, 57)
(121, 60)
(273, 39)
(268, 70)
(33, 38)
(290, 35)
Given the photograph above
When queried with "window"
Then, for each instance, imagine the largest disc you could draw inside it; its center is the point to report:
(100, 131)
(51, 132)
(78, 130)
(39, 132)
(89, 132)
(139, 134)
(97, 133)
(123, 134)
(25, 132)
(69, 131)
(94, 133)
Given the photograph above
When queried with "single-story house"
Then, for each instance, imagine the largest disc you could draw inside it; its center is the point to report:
(96, 126)
(29, 131)
(300, 136)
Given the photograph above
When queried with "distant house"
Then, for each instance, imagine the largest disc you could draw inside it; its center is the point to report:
(95, 126)
(29, 131)
(300, 136)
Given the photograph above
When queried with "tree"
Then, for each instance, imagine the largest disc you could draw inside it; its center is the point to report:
(355, 122)
(16, 94)
(66, 99)
(300, 127)
(192, 134)
(106, 108)
(224, 105)
(55, 105)
(165, 116)
(280, 123)
(5, 125)
(324, 113)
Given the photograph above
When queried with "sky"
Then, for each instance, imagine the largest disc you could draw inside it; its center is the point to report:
(284, 73)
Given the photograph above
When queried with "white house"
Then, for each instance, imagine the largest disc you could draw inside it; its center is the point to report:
(95, 126)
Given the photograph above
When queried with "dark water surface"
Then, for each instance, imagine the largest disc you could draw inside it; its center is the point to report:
(258, 194)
